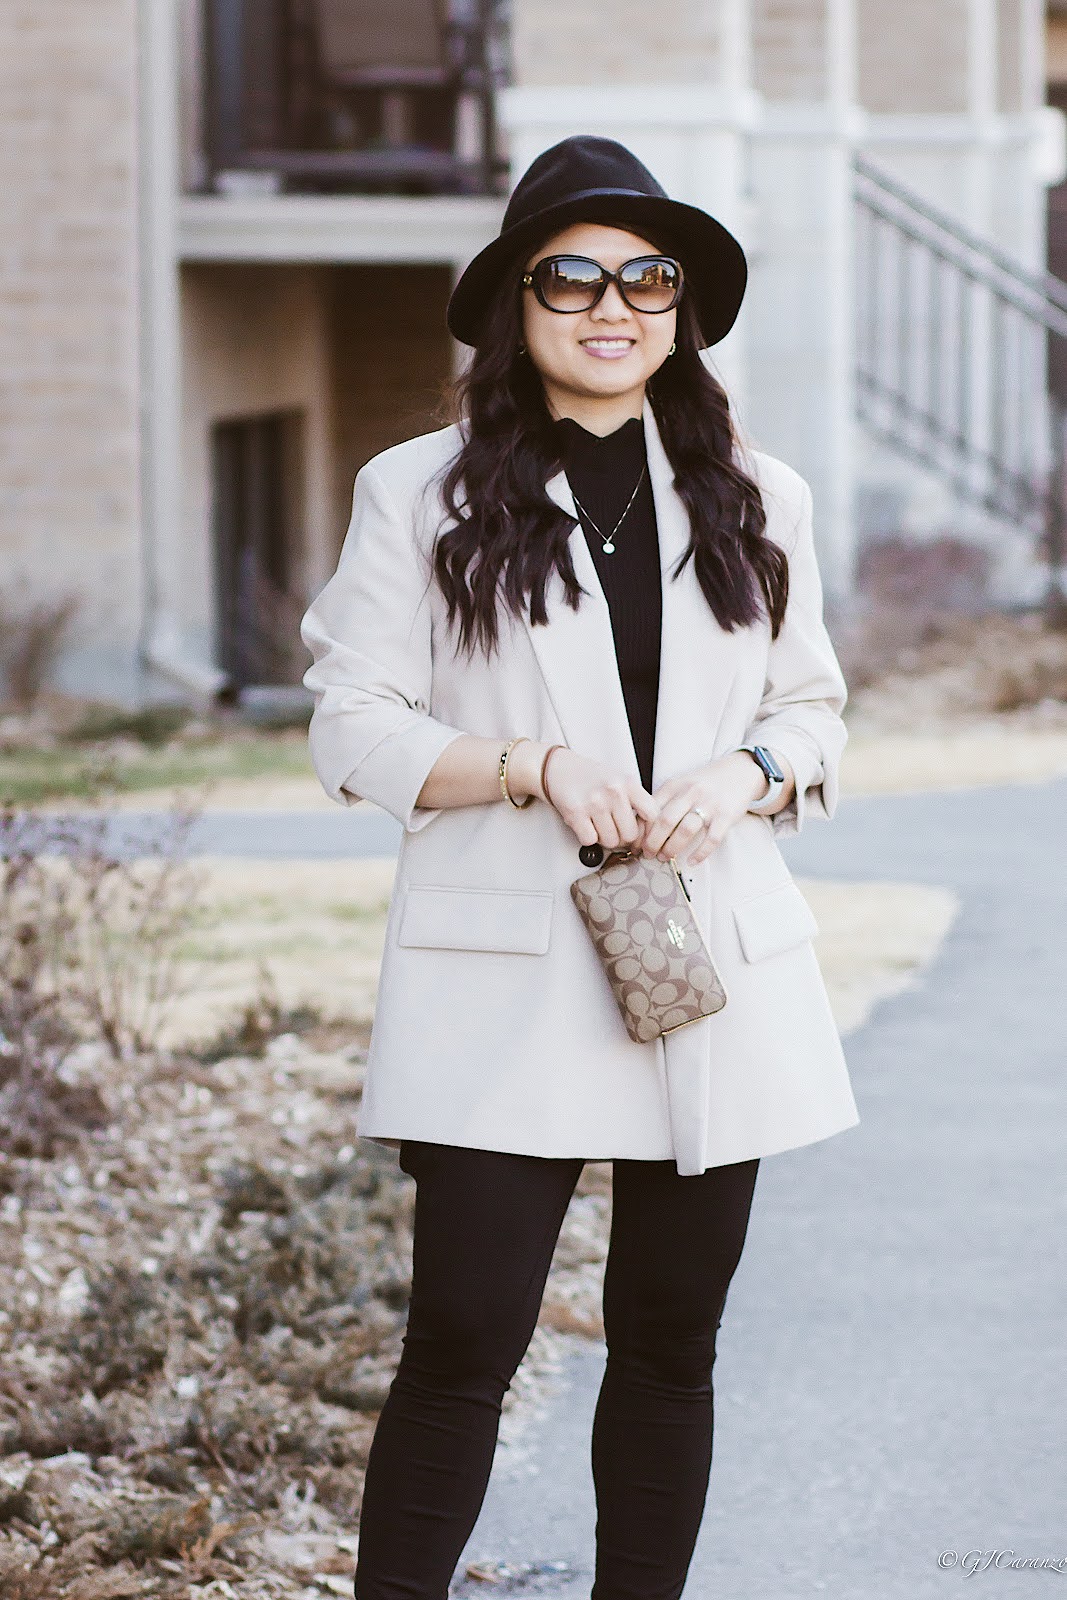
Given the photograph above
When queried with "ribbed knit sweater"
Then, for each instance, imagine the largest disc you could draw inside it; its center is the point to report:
(602, 473)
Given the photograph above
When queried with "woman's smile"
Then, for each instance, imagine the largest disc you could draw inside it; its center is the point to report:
(606, 348)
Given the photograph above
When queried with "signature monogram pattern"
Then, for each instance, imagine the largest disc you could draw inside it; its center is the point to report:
(640, 919)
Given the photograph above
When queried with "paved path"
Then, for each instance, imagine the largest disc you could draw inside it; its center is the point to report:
(311, 835)
(891, 1381)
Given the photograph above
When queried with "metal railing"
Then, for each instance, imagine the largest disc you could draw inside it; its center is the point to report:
(275, 104)
(953, 343)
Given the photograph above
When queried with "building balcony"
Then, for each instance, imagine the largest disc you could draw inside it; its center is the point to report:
(345, 97)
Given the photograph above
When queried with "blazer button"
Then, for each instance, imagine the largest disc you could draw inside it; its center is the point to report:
(591, 855)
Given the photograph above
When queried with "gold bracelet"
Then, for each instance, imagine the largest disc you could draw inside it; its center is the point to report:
(520, 805)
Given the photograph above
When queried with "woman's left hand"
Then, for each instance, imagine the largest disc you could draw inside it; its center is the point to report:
(723, 789)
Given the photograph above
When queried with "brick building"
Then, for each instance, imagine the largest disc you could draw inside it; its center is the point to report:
(200, 345)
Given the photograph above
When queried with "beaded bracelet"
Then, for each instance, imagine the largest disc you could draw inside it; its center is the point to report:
(520, 805)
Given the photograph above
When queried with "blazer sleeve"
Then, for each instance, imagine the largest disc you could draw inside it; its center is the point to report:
(371, 736)
(799, 715)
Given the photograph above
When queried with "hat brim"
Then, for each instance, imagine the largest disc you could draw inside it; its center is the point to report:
(716, 271)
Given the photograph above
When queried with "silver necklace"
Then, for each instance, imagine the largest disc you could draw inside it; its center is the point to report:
(608, 543)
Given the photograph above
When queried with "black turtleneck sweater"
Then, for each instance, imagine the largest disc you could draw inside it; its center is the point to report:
(602, 473)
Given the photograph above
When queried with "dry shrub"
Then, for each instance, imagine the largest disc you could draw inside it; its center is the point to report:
(124, 1332)
(873, 641)
(88, 935)
(1041, 676)
(46, 1426)
(907, 589)
(169, 1525)
(155, 726)
(259, 1019)
(27, 1573)
(267, 642)
(924, 576)
(959, 667)
(291, 1322)
(88, 930)
(40, 1109)
(32, 635)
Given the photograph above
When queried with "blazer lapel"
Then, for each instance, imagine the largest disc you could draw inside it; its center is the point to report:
(576, 654)
(576, 649)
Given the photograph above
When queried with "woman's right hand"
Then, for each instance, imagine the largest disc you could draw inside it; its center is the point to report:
(598, 804)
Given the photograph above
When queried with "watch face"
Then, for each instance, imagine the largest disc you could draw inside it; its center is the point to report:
(769, 765)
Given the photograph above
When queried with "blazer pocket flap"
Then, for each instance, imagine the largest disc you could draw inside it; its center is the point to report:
(514, 921)
(773, 921)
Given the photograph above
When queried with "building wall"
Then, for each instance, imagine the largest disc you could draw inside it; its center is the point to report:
(68, 321)
(913, 56)
(561, 42)
(789, 56)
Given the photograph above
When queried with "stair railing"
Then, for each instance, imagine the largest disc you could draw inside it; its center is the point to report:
(954, 346)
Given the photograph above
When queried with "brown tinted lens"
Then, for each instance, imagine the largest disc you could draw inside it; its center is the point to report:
(569, 283)
(651, 283)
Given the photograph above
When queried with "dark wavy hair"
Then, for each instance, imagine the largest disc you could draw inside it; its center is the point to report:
(507, 535)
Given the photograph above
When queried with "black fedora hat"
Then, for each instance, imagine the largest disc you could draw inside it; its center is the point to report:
(586, 179)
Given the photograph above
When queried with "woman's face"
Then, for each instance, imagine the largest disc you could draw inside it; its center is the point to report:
(608, 352)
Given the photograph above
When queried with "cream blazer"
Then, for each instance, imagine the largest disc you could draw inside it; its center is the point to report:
(495, 1025)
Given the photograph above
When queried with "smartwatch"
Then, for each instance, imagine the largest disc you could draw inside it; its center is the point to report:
(771, 771)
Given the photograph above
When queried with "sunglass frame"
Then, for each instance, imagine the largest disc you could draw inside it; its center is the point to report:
(534, 279)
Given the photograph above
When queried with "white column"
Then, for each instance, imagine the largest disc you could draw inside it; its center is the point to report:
(800, 315)
(981, 107)
(735, 22)
(839, 540)
(161, 644)
(980, 177)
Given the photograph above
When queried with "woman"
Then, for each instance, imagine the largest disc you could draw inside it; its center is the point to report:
(688, 706)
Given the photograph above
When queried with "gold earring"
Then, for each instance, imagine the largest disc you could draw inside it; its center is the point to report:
(672, 349)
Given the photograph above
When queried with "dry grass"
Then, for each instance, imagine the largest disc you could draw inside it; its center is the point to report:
(875, 939)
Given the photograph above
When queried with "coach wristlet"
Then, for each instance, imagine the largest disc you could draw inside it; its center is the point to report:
(640, 918)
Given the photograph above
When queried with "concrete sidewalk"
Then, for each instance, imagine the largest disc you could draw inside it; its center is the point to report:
(891, 1381)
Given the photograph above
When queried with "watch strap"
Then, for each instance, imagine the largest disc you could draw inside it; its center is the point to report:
(760, 807)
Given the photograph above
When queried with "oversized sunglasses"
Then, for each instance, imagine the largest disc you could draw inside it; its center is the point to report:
(577, 283)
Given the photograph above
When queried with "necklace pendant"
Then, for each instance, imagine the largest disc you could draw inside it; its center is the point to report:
(609, 548)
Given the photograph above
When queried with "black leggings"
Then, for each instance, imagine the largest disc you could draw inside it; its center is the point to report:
(486, 1225)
